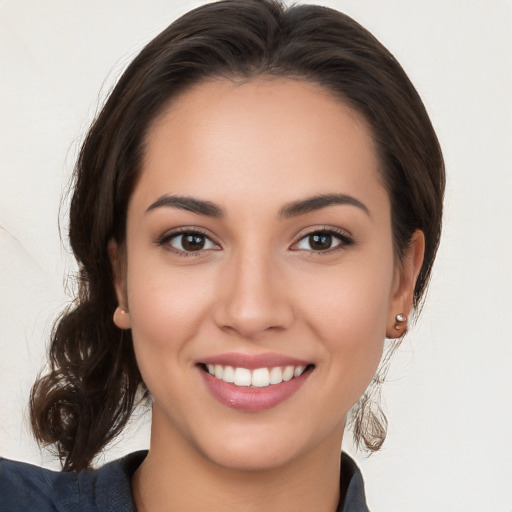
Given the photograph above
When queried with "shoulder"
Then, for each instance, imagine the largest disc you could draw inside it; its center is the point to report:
(353, 498)
(26, 487)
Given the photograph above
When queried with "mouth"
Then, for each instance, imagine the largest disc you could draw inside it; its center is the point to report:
(255, 378)
(253, 384)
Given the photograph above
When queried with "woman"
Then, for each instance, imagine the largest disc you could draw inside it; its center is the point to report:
(256, 208)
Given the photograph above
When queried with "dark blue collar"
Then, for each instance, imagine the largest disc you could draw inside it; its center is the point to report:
(108, 489)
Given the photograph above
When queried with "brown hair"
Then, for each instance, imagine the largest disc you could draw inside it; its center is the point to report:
(88, 395)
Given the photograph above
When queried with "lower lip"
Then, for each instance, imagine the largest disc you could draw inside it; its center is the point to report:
(253, 399)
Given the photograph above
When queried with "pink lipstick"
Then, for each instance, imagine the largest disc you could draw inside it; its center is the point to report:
(253, 382)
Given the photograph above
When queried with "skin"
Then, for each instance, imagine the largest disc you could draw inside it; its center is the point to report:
(257, 286)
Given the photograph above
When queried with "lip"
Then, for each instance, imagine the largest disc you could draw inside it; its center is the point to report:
(251, 399)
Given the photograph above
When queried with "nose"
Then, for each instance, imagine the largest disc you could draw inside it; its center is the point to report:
(253, 296)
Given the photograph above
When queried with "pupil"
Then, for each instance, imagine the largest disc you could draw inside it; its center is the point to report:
(193, 242)
(319, 242)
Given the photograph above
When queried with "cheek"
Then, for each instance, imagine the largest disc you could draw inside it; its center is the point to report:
(351, 304)
(348, 311)
(167, 307)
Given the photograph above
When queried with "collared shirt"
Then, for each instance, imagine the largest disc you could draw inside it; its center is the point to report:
(28, 488)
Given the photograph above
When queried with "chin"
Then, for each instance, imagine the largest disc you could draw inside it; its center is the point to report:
(253, 457)
(253, 448)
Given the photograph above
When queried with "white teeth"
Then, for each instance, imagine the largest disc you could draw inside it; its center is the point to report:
(229, 374)
(242, 377)
(258, 378)
(288, 373)
(298, 371)
(276, 375)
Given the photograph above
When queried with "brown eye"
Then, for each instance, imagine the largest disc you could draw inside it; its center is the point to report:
(320, 242)
(193, 242)
(323, 241)
(189, 242)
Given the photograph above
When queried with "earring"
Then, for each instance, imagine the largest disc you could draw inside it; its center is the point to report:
(121, 318)
(400, 319)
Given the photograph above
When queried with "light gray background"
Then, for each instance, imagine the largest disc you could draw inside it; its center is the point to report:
(450, 393)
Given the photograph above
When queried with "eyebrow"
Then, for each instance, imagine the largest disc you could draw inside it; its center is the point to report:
(320, 201)
(188, 203)
(301, 207)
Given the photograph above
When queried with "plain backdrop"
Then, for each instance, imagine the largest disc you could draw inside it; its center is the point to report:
(449, 396)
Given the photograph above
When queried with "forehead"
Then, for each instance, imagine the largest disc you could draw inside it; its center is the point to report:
(263, 139)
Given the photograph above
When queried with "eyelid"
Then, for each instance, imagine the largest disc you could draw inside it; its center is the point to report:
(163, 239)
(343, 235)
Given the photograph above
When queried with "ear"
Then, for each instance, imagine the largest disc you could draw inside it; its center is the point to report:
(404, 282)
(118, 261)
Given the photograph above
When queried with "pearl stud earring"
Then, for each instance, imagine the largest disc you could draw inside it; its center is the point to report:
(400, 319)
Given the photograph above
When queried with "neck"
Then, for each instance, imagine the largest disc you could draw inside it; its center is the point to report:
(175, 473)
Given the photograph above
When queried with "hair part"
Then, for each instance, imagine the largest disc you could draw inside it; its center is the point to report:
(87, 396)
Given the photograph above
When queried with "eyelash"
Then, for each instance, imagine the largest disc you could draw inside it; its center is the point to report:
(344, 240)
(167, 237)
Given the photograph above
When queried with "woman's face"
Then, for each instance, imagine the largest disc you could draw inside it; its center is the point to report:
(258, 246)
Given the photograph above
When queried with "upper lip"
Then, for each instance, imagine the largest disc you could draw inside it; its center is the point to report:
(253, 361)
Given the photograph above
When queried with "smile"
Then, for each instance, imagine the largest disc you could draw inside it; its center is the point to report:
(256, 378)
(254, 383)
